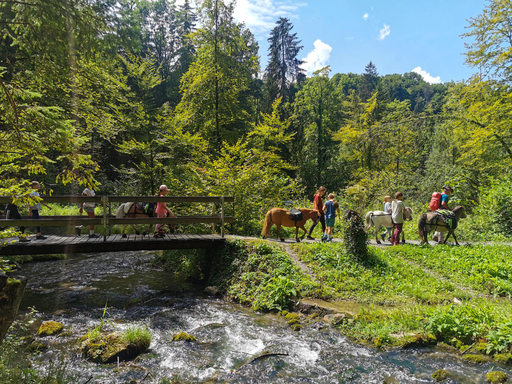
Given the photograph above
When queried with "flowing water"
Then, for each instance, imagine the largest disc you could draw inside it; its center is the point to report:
(75, 292)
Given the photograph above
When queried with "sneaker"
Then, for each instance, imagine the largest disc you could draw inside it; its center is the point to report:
(158, 236)
(23, 239)
(40, 237)
(310, 238)
(382, 236)
(435, 238)
(93, 236)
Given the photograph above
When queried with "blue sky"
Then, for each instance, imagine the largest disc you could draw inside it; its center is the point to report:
(397, 36)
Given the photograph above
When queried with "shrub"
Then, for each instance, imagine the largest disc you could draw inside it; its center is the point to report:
(355, 237)
(138, 336)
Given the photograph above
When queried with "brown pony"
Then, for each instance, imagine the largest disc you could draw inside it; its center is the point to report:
(431, 221)
(279, 217)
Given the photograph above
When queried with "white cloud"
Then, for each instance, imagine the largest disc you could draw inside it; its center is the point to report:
(365, 16)
(260, 16)
(349, 38)
(384, 32)
(427, 76)
(318, 57)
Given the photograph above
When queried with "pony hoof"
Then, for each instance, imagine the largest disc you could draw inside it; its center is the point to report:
(124, 236)
(378, 242)
(282, 240)
(298, 240)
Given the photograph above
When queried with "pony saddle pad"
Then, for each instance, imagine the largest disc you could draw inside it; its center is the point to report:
(296, 215)
(444, 216)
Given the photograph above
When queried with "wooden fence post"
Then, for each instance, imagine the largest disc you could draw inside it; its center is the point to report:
(214, 213)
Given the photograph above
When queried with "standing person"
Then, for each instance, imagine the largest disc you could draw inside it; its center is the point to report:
(89, 208)
(318, 205)
(330, 217)
(11, 212)
(161, 210)
(397, 215)
(34, 210)
(445, 198)
(387, 209)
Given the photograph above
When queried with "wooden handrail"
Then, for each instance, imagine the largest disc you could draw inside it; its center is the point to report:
(77, 199)
(108, 220)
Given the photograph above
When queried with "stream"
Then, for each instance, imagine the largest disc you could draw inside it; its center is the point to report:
(75, 292)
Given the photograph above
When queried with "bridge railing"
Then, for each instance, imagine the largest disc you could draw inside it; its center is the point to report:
(107, 219)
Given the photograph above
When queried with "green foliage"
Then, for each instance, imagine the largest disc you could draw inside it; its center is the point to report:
(185, 264)
(500, 339)
(138, 336)
(260, 274)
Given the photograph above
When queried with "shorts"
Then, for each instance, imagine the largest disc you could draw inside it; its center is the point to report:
(330, 222)
(89, 209)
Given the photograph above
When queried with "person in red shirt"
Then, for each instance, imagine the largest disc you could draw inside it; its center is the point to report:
(319, 206)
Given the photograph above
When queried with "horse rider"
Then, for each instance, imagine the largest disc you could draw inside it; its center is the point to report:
(445, 197)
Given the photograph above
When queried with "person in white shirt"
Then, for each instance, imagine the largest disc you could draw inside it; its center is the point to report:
(89, 208)
(397, 215)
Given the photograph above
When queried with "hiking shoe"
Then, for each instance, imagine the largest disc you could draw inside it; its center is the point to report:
(40, 237)
(93, 236)
(310, 238)
(23, 239)
(158, 236)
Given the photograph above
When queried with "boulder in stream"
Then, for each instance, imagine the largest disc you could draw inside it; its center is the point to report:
(497, 377)
(111, 346)
(49, 328)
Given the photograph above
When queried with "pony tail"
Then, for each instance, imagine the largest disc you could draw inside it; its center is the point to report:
(265, 232)
(368, 220)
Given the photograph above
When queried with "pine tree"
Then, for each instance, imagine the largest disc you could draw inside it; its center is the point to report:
(283, 70)
(369, 82)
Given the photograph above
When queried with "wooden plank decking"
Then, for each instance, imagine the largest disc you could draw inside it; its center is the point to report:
(113, 243)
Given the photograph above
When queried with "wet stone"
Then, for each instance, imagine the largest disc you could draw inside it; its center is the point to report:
(497, 377)
(440, 375)
(109, 348)
(49, 328)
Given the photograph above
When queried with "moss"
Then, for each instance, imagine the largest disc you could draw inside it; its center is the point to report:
(37, 347)
(293, 321)
(477, 359)
(440, 375)
(13, 282)
(183, 336)
(49, 328)
(419, 340)
(503, 358)
(292, 316)
(312, 316)
(497, 377)
(296, 327)
(283, 313)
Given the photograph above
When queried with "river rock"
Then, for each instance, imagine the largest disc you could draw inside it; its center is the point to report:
(109, 348)
(441, 375)
(49, 328)
(211, 290)
(497, 377)
(337, 318)
(11, 292)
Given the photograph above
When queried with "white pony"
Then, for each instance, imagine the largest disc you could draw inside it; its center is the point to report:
(131, 209)
(383, 219)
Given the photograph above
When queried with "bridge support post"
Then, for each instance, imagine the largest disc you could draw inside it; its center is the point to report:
(222, 216)
(214, 213)
(104, 201)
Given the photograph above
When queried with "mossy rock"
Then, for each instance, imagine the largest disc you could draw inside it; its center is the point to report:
(497, 377)
(314, 315)
(49, 328)
(37, 347)
(419, 340)
(293, 321)
(283, 313)
(183, 336)
(110, 347)
(296, 327)
(503, 358)
(456, 343)
(293, 316)
(440, 375)
(477, 359)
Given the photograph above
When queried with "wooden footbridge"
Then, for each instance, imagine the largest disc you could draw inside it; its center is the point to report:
(108, 242)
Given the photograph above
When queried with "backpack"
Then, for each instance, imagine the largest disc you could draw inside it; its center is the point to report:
(296, 215)
(150, 209)
(435, 202)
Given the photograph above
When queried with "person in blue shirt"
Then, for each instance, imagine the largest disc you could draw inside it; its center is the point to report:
(330, 209)
(445, 198)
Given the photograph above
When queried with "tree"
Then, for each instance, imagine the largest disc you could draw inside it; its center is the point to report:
(213, 87)
(318, 115)
(283, 69)
(368, 84)
(491, 50)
